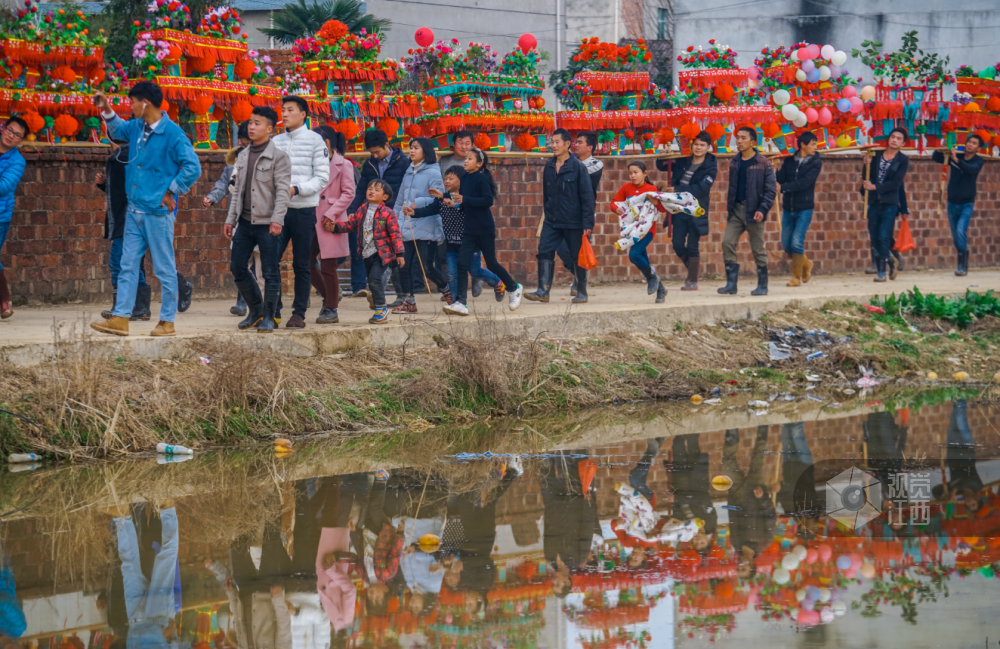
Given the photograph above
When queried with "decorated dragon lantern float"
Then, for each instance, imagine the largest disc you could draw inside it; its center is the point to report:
(476, 90)
(976, 106)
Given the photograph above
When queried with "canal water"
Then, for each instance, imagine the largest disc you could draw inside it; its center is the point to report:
(876, 528)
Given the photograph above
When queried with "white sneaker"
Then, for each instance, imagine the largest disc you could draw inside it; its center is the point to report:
(515, 297)
(456, 308)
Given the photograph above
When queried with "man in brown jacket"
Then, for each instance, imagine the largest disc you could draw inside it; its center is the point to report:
(752, 190)
(263, 176)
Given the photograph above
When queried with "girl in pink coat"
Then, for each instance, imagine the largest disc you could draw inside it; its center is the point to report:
(334, 200)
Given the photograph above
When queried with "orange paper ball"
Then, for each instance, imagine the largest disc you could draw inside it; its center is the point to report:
(201, 105)
(174, 56)
(349, 128)
(690, 131)
(539, 102)
(66, 125)
(723, 92)
(201, 64)
(34, 121)
(429, 104)
(65, 74)
(525, 142)
(771, 130)
(482, 141)
(241, 111)
(724, 590)
(389, 126)
(97, 75)
(413, 130)
(244, 69)
(715, 130)
(972, 107)
(996, 140)
(666, 136)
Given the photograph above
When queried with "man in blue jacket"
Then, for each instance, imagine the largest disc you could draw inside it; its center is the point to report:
(965, 170)
(162, 165)
(11, 170)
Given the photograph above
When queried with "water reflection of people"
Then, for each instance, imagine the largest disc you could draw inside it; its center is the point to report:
(752, 515)
(345, 499)
(797, 494)
(692, 498)
(963, 476)
(570, 519)
(886, 441)
(149, 602)
(12, 621)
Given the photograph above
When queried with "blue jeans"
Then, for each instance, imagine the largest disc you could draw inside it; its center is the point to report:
(149, 602)
(958, 218)
(881, 221)
(794, 226)
(4, 229)
(637, 253)
(359, 278)
(115, 263)
(156, 234)
(793, 441)
(475, 269)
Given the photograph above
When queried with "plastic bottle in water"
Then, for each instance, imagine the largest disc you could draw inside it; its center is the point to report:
(171, 449)
(173, 459)
(24, 457)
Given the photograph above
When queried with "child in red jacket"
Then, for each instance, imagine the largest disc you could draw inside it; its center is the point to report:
(637, 253)
(380, 243)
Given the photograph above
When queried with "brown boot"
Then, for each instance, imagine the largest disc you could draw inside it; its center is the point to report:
(796, 270)
(164, 328)
(113, 325)
(691, 283)
(807, 269)
(6, 308)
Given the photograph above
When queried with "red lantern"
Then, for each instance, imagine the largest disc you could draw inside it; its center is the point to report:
(629, 134)
(993, 104)
(97, 76)
(996, 140)
(174, 56)
(723, 92)
(65, 74)
(349, 128)
(771, 130)
(539, 102)
(525, 142)
(218, 113)
(647, 136)
(429, 104)
(690, 131)
(201, 64)
(66, 125)
(715, 130)
(389, 126)
(241, 111)
(244, 69)
(666, 136)
(34, 121)
(424, 36)
(413, 130)
(482, 141)
(200, 105)
(527, 42)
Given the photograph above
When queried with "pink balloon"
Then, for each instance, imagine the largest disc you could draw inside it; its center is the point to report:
(753, 72)
(856, 105)
(831, 143)
(825, 552)
(804, 54)
(850, 572)
(424, 36)
(825, 116)
(812, 554)
(813, 51)
(811, 115)
(848, 92)
(809, 618)
(855, 561)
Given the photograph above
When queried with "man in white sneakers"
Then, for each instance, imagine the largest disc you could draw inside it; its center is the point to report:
(310, 173)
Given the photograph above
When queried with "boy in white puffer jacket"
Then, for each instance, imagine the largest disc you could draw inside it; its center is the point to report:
(310, 174)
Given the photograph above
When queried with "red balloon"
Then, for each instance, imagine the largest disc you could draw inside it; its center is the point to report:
(424, 36)
(848, 92)
(527, 42)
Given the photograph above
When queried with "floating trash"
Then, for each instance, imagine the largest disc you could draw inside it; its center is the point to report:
(429, 543)
(867, 382)
(758, 404)
(696, 398)
(18, 458)
(961, 376)
(722, 482)
(932, 375)
(173, 449)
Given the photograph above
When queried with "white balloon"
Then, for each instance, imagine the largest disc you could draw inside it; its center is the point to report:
(800, 121)
(824, 594)
(824, 73)
(794, 57)
(781, 97)
(800, 551)
(827, 51)
(789, 111)
(800, 594)
(838, 58)
(781, 576)
(800, 75)
(839, 608)
(790, 561)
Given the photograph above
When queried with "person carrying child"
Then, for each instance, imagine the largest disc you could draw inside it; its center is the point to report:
(381, 243)
(639, 184)
(263, 177)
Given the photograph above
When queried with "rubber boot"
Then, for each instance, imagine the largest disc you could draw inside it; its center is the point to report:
(572, 289)
(581, 287)
(6, 304)
(807, 269)
(880, 271)
(107, 313)
(963, 263)
(873, 269)
(267, 324)
(143, 296)
(899, 259)
(796, 270)
(661, 293)
(761, 281)
(546, 269)
(891, 265)
(732, 278)
(652, 280)
(184, 292)
(691, 283)
(250, 291)
(241, 305)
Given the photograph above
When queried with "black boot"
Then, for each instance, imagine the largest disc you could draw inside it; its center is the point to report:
(880, 270)
(143, 295)
(652, 281)
(581, 287)
(241, 305)
(891, 265)
(732, 277)
(107, 314)
(250, 291)
(267, 325)
(661, 293)
(761, 281)
(184, 291)
(963, 263)
(546, 269)
(899, 259)
(872, 270)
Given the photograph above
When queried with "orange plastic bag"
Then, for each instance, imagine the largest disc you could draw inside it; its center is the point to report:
(904, 240)
(586, 259)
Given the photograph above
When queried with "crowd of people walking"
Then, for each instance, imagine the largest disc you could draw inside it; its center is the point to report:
(422, 219)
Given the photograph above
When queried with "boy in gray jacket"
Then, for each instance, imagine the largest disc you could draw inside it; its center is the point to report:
(263, 176)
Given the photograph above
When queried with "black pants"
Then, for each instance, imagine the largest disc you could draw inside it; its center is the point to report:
(485, 243)
(411, 272)
(686, 236)
(552, 243)
(244, 239)
(376, 279)
(300, 228)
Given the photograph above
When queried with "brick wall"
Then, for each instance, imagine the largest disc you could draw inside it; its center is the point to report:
(54, 252)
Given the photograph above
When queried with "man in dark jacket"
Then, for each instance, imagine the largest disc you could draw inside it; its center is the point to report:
(570, 519)
(751, 195)
(569, 203)
(797, 177)
(965, 170)
(695, 175)
(886, 174)
(112, 183)
(752, 524)
(389, 164)
(692, 497)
